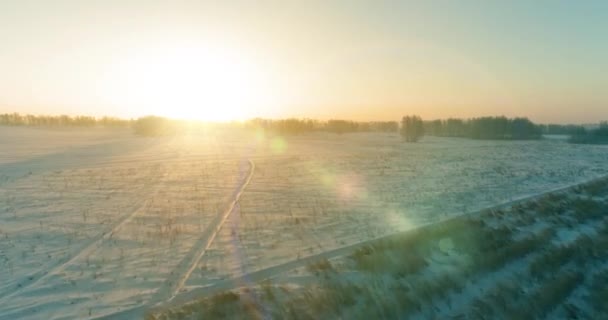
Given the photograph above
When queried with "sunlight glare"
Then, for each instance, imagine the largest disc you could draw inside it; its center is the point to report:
(196, 83)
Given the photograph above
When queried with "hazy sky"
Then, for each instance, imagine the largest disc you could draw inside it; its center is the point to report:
(547, 60)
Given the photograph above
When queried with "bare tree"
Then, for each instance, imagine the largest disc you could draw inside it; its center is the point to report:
(412, 128)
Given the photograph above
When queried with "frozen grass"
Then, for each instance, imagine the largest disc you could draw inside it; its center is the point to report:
(92, 223)
(599, 293)
(544, 299)
(331, 193)
(556, 257)
(497, 264)
(319, 267)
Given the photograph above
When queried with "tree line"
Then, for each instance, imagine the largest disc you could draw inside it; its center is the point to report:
(562, 129)
(300, 126)
(16, 119)
(493, 128)
(597, 135)
(412, 128)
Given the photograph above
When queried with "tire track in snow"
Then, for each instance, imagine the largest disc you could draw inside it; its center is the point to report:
(85, 249)
(276, 270)
(138, 312)
(180, 274)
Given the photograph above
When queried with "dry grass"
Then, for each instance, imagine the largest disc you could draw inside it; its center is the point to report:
(589, 209)
(548, 296)
(596, 188)
(397, 276)
(598, 297)
(557, 257)
(319, 267)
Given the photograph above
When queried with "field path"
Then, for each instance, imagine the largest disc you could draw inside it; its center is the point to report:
(86, 248)
(175, 283)
(277, 270)
(274, 271)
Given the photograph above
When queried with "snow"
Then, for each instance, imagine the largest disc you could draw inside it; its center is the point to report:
(95, 222)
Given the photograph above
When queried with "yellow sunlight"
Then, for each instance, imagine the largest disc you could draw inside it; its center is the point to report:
(200, 83)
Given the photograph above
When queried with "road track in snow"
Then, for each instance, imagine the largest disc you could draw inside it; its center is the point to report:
(274, 271)
(173, 285)
(86, 248)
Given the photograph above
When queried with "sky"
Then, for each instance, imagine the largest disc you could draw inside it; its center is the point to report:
(360, 60)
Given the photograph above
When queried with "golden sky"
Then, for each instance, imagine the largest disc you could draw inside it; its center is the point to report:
(374, 60)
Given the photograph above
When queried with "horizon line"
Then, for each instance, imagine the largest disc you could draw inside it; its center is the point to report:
(99, 117)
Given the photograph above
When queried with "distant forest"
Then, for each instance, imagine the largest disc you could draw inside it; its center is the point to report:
(282, 126)
(412, 128)
(593, 136)
(16, 119)
(298, 126)
(493, 128)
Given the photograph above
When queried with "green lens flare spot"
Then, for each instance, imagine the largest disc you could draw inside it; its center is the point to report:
(278, 145)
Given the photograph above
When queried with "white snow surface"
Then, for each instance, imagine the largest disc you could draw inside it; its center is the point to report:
(95, 222)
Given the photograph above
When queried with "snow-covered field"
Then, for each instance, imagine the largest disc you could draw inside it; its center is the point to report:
(97, 222)
(542, 258)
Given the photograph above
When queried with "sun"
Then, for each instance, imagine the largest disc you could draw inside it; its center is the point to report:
(195, 83)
